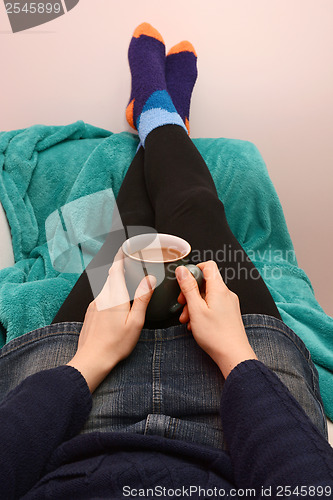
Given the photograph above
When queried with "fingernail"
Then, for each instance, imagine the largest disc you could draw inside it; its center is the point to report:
(182, 273)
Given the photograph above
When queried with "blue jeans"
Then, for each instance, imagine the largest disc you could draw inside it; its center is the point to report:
(168, 386)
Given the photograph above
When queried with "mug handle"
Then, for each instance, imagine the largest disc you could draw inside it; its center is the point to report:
(197, 273)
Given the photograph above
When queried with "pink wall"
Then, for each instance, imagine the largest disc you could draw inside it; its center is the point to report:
(265, 75)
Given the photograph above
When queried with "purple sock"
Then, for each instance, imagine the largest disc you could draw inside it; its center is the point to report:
(181, 75)
(146, 56)
(150, 104)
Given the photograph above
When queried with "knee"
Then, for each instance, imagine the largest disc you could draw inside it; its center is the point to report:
(139, 217)
(198, 199)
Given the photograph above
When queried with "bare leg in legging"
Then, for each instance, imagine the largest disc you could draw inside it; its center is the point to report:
(168, 186)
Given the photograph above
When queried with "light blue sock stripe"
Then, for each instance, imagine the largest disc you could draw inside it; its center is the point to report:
(153, 118)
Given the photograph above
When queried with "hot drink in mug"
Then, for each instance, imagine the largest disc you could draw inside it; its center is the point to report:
(159, 255)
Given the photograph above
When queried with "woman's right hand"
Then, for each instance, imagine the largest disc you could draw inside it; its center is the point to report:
(215, 320)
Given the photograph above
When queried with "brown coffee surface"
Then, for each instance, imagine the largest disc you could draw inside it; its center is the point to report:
(158, 254)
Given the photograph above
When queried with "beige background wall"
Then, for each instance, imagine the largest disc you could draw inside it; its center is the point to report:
(265, 75)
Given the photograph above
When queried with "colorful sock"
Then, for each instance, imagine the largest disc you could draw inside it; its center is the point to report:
(150, 104)
(181, 74)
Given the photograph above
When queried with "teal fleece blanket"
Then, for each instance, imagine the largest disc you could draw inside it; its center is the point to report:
(45, 168)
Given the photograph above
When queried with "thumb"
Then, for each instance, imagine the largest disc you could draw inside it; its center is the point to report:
(189, 287)
(142, 297)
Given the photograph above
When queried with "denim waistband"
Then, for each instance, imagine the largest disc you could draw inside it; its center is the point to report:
(270, 323)
(251, 321)
(68, 328)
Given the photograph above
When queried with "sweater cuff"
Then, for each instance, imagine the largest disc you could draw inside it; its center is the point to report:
(242, 369)
(78, 379)
(77, 390)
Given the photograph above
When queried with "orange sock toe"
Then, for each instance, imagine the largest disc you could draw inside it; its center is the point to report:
(184, 46)
(148, 30)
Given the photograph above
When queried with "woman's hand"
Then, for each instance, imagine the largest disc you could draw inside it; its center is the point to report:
(215, 320)
(111, 327)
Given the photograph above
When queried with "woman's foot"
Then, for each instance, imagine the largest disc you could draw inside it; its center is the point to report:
(150, 104)
(181, 74)
(146, 56)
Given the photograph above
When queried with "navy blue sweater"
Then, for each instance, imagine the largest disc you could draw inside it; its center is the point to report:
(272, 446)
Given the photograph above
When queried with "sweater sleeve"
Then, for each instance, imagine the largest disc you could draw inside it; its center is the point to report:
(271, 441)
(38, 415)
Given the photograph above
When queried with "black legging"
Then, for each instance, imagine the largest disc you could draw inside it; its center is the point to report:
(168, 187)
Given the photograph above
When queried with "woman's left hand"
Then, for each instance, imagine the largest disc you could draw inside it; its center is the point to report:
(111, 327)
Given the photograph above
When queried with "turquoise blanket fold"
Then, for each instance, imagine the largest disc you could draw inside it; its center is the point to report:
(44, 169)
